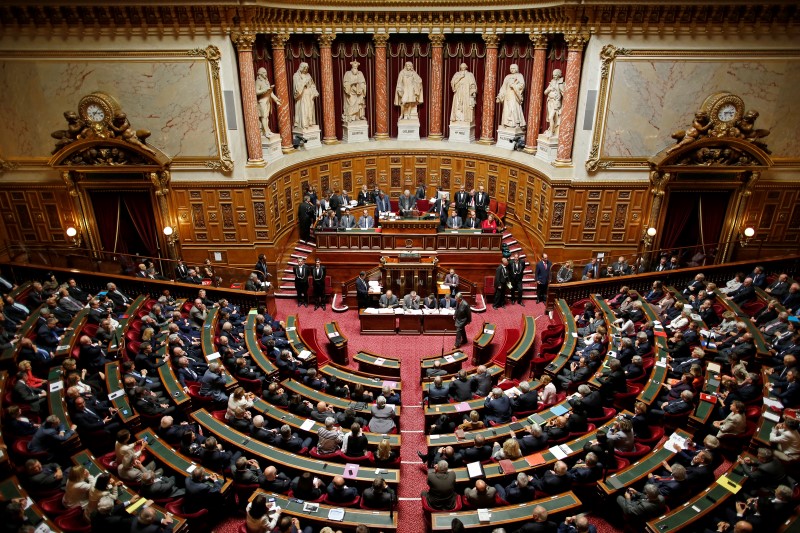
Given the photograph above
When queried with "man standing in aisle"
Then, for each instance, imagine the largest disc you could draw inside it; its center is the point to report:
(462, 318)
(301, 282)
(362, 290)
(542, 278)
(501, 281)
(318, 276)
(462, 202)
(517, 268)
(305, 218)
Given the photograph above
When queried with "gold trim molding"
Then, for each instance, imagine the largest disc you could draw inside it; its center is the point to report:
(609, 56)
(210, 55)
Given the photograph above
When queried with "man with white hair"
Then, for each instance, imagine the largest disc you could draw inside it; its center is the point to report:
(642, 505)
(528, 400)
(406, 203)
(441, 493)
(497, 407)
(520, 490)
(329, 438)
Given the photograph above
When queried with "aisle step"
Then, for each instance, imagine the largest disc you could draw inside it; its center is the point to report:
(308, 243)
(516, 249)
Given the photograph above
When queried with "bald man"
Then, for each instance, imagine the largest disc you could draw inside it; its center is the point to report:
(339, 492)
(481, 496)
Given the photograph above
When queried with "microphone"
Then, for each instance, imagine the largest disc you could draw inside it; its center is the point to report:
(443, 337)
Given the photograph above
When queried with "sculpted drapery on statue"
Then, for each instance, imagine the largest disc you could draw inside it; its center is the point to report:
(511, 96)
(554, 94)
(409, 92)
(305, 91)
(265, 95)
(464, 92)
(355, 91)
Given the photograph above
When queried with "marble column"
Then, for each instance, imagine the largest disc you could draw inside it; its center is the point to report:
(281, 82)
(247, 81)
(569, 103)
(328, 106)
(537, 92)
(437, 67)
(489, 88)
(381, 88)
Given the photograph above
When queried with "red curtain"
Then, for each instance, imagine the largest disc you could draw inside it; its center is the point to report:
(682, 205)
(556, 59)
(356, 48)
(469, 49)
(139, 207)
(715, 205)
(417, 50)
(107, 208)
(514, 49)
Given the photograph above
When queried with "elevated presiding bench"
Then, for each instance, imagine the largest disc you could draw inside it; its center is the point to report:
(428, 322)
(351, 519)
(509, 514)
(287, 460)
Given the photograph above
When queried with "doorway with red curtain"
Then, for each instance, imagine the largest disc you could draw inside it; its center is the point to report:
(126, 222)
(694, 222)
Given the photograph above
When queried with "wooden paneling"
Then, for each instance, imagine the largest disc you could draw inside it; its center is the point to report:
(38, 214)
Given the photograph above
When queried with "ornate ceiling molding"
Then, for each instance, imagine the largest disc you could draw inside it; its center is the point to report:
(399, 16)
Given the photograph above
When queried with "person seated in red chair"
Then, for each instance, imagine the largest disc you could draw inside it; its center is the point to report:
(481, 496)
(441, 493)
(339, 492)
(490, 224)
(497, 407)
(554, 481)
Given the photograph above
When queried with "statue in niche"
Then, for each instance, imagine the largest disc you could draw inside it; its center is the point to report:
(355, 91)
(266, 95)
(409, 92)
(305, 91)
(464, 92)
(554, 94)
(511, 96)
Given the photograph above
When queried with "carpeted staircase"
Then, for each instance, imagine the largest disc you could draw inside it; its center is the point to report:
(286, 282)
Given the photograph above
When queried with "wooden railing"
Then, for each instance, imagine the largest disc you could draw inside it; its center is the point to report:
(465, 286)
(719, 274)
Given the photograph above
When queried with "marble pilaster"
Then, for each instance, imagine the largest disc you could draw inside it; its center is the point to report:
(282, 88)
(536, 95)
(328, 107)
(247, 80)
(381, 88)
(435, 132)
(489, 88)
(569, 105)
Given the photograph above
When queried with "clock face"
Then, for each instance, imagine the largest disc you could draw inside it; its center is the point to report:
(726, 113)
(95, 113)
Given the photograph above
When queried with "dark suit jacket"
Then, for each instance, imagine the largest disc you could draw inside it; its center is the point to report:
(442, 490)
(497, 410)
(542, 272)
(553, 484)
(526, 402)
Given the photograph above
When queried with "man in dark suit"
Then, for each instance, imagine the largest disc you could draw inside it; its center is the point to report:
(378, 496)
(481, 199)
(318, 278)
(528, 400)
(642, 505)
(612, 381)
(41, 478)
(743, 294)
(542, 275)
(554, 481)
(50, 435)
(520, 490)
(181, 270)
(481, 382)
(382, 204)
(576, 373)
(305, 218)
(758, 277)
(538, 522)
(447, 302)
(497, 407)
(479, 451)
(441, 493)
(406, 203)
(460, 387)
(202, 491)
(462, 202)
(789, 393)
(49, 335)
(148, 522)
(437, 392)
(765, 472)
(501, 282)
(586, 471)
(89, 420)
(339, 492)
(159, 487)
(362, 290)
(462, 318)
(301, 273)
(592, 401)
(121, 301)
(25, 394)
(517, 268)
(481, 496)
(471, 222)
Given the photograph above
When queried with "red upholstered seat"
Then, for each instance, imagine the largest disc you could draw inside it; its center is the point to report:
(428, 509)
(488, 286)
(351, 503)
(608, 414)
(639, 451)
(325, 456)
(73, 522)
(656, 433)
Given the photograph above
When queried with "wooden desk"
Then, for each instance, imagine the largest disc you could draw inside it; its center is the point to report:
(493, 370)
(322, 469)
(687, 515)
(127, 414)
(58, 406)
(67, 342)
(381, 367)
(409, 323)
(451, 362)
(410, 225)
(180, 465)
(638, 470)
(570, 339)
(339, 342)
(519, 355)
(758, 339)
(281, 416)
(438, 324)
(12, 488)
(351, 378)
(126, 495)
(210, 348)
(353, 517)
(377, 324)
(315, 396)
(253, 348)
(510, 514)
(702, 413)
(482, 341)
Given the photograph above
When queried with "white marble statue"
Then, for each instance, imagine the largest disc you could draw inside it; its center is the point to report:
(554, 94)
(304, 94)
(265, 95)
(464, 92)
(511, 96)
(409, 92)
(355, 92)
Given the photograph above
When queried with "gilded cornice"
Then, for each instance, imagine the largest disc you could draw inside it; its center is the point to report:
(90, 17)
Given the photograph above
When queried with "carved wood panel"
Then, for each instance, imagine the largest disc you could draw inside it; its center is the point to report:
(36, 215)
